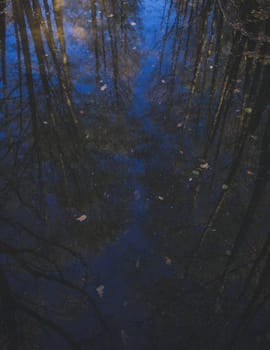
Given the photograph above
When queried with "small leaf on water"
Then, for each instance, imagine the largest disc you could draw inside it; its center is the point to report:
(110, 15)
(161, 198)
(225, 187)
(137, 263)
(196, 172)
(100, 290)
(163, 81)
(180, 125)
(103, 87)
(248, 110)
(81, 218)
(228, 252)
(204, 166)
(181, 151)
(250, 173)
(133, 23)
(167, 260)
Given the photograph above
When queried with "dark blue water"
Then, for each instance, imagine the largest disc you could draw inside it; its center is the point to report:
(134, 174)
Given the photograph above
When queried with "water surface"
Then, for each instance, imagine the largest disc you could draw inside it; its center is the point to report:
(134, 174)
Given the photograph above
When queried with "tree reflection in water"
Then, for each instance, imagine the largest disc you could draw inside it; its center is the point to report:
(151, 119)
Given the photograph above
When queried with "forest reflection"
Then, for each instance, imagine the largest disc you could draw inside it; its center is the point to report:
(135, 133)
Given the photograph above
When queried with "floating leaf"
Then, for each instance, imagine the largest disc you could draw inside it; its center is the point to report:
(133, 24)
(100, 290)
(195, 172)
(81, 218)
(137, 263)
(225, 187)
(250, 173)
(204, 166)
(161, 198)
(248, 110)
(180, 125)
(103, 87)
(167, 260)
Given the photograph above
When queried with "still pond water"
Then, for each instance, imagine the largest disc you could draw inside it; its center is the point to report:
(134, 174)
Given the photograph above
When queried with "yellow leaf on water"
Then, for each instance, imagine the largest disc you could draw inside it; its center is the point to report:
(248, 110)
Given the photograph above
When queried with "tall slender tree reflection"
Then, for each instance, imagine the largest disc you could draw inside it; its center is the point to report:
(225, 106)
(55, 168)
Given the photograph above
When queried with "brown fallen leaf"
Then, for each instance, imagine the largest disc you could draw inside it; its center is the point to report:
(100, 290)
(81, 218)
